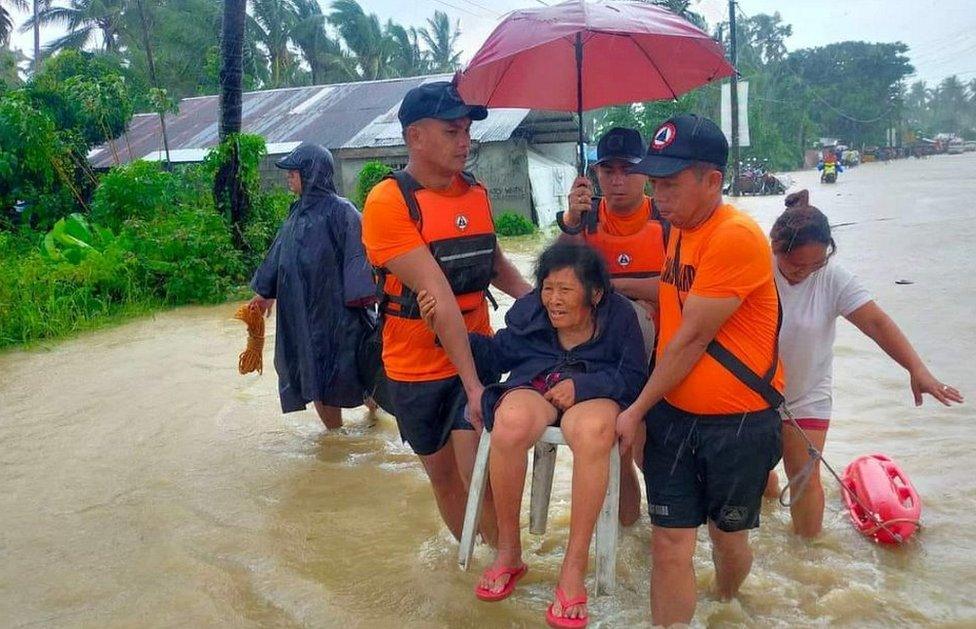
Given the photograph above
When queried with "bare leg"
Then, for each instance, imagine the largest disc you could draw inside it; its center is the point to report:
(331, 416)
(371, 407)
(772, 484)
(808, 509)
(673, 594)
(630, 495)
(465, 451)
(630, 492)
(732, 557)
(449, 488)
(590, 431)
(520, 420)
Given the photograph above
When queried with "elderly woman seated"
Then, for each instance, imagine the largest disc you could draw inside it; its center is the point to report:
(574, 352)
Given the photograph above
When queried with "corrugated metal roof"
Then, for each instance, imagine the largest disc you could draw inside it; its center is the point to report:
(385, 129)
(344, 115)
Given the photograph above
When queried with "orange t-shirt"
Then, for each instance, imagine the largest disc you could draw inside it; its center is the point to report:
(410, 353)
(616, 225)
(726, 256)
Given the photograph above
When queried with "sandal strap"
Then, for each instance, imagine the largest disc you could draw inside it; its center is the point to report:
(503, 570)
(566, 602)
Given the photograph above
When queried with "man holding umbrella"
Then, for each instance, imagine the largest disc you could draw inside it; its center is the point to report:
(624, 227)
(714, 432)
(429, 227)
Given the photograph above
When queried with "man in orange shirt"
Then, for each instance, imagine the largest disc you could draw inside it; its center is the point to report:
(429, 227)
(714, 431)
(624, 227)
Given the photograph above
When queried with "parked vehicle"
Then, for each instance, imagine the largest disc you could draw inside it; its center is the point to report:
(755, 178)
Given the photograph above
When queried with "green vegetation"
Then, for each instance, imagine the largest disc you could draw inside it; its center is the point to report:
(149, 239)
(79, 248)
(512, 224)
(287, 42)
(850, 90)
(371, 174)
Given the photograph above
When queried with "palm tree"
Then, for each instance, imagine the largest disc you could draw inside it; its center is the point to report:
(85, 20)
(408, 59)
(7, 20)
(362, 34)
(324, 55)
(271, 26)
(441, 37)
(230, 195)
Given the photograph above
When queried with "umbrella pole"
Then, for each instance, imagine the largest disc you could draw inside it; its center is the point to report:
(579, 102)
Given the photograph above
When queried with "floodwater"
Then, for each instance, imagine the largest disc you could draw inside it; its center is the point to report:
(143, 482)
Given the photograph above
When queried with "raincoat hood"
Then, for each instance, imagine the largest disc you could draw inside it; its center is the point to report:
(317, 168)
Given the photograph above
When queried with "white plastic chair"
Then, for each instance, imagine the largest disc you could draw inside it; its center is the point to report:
(543, 466)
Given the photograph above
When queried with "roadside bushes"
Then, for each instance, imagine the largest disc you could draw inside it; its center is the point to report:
(151, 238)
(371, 174)
(512, 224)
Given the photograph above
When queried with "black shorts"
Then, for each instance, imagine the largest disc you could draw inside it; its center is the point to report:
(709, 467)
(427, 412)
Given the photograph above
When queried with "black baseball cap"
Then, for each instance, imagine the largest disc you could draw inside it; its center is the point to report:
(620, 143)
(440, 100)
(681, 141)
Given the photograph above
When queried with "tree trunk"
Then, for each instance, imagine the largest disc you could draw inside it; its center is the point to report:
(231, 66)
(37, 39)
(151, 64)
(230, 195)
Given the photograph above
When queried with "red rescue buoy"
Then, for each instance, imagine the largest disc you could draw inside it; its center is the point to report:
(887, 508)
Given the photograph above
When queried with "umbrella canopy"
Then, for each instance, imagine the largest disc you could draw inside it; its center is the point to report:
(578, 56)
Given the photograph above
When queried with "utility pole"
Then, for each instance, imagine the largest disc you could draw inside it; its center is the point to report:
(734, 102)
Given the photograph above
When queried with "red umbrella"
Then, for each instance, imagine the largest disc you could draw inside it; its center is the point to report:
(577, 56)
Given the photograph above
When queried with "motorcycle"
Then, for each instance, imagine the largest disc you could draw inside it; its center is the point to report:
(828, 172)
(755, 178)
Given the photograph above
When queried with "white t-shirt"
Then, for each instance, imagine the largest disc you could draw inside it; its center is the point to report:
(806, 340)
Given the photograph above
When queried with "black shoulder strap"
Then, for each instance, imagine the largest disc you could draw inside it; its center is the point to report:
(408, 188)
(665, 224)
(761, 385)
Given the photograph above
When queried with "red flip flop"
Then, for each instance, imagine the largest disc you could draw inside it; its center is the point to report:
(561, 622)
(514, 574)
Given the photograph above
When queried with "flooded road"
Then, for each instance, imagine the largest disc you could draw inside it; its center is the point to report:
(145, 483)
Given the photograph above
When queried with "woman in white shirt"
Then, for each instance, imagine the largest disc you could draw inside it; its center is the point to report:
(814, 292)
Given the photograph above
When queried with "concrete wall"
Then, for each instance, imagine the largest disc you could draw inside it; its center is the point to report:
(563, 151)
(349, 163)
(503, 168)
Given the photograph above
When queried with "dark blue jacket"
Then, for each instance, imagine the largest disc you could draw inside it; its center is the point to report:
(317, 270)
(611, 365)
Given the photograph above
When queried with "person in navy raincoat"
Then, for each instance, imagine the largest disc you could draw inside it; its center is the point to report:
(316, 269)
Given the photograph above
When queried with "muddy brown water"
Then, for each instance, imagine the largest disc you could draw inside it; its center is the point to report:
(144, 483)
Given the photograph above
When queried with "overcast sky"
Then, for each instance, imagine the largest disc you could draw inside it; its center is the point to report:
(940, 33)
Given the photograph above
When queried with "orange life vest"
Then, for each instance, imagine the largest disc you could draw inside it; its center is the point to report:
(460, 233)
(638, 255)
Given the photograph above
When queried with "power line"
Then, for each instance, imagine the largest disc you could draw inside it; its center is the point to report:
(483, 7)
(462, 9)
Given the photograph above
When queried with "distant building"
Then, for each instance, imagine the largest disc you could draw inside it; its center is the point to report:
(526, 158)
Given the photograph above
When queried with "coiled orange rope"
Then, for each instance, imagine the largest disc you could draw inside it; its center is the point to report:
(251, 358)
